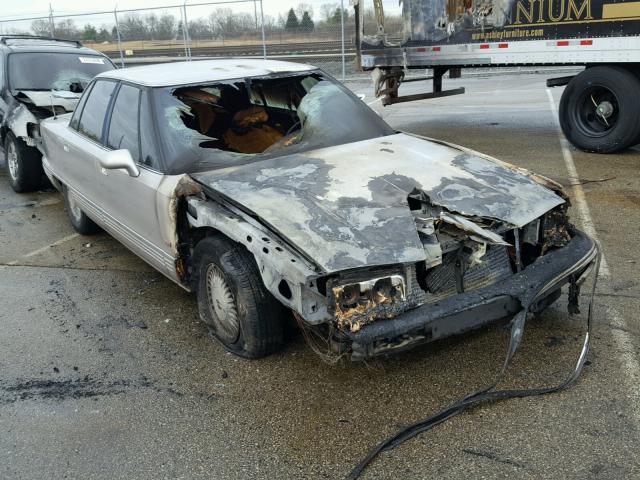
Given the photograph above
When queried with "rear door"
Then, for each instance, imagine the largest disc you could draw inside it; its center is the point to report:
(74, 156)
(131, 204)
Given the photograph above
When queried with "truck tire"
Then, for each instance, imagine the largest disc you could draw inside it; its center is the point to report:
(79, 220)
(600, 109)
(233, 301)
(24, 165)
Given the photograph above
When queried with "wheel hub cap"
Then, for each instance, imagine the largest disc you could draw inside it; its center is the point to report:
(605, 109)
(222, 305)
(12, 161)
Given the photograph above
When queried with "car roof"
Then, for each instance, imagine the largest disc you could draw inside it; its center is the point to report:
(44, 45)
(201, 71)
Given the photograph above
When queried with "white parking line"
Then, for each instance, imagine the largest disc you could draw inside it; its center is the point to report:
(45, 248)
(623, 341)
(374, 101)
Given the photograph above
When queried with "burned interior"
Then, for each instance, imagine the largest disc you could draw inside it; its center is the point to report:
(240, 121)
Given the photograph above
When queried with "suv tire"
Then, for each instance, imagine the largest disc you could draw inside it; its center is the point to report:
(24, 165)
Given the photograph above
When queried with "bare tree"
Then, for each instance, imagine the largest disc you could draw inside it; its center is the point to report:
(132, 27)
(327, 10)
(304, 7)
(224, 23)
(67, 29)
(199, 28)
(151, 21)
(166, 27)
(41, 27)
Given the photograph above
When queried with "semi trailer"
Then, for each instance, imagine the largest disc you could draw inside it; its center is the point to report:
(600, 106)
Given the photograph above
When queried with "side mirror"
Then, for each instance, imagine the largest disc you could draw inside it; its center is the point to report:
(362, 96)
(120, 159)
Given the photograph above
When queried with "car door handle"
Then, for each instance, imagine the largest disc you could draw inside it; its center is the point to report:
(104, 171)
(65, 147)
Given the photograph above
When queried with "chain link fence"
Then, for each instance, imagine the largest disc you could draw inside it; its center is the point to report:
(192, 31)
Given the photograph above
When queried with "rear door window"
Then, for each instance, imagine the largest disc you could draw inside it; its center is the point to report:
(75, 119)
(94, 111)
(123, 128)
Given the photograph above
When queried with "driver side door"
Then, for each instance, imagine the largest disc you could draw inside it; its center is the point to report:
(132, 205)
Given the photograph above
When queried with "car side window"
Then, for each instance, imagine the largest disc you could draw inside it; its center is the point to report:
(123, 128)
(75, 118)
(149, 152)
(95, 109)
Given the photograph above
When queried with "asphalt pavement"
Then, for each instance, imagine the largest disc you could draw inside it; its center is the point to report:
(107, 373)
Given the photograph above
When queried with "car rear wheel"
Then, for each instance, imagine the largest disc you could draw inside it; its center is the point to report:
(233, 302)
(79, 220)
(599, 109)
(24, 164)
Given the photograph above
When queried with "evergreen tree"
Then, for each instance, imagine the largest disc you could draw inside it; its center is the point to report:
(292, 21)
(306, 24)
(337, 16)
(103, 35)
(89, 32)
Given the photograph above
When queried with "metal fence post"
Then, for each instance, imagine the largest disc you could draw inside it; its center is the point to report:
(344, 66)
(187, 38)
(184, 34)
(52, 30)
(115, 15)
(264, 40)
(255, 12)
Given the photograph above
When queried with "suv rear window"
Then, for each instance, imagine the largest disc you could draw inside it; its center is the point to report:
(46, 71)
(93, 113)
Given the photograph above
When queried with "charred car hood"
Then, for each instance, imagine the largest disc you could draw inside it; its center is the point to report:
(347, 206)
(44, 98)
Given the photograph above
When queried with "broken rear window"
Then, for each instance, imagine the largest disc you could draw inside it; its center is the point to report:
(244, 120)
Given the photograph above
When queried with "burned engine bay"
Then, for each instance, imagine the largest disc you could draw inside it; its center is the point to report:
(345, 247)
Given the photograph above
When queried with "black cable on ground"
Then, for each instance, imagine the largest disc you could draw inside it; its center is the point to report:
(487, 394)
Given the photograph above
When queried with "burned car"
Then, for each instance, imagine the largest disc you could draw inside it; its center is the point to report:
(268, 187)
(39, 77)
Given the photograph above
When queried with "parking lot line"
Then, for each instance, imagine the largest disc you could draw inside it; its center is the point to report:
(45, 248)
(630, 365)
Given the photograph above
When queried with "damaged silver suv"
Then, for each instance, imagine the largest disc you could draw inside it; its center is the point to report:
(39, 77)
(268, 187)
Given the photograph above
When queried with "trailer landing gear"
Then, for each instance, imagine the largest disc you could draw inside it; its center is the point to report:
(388, 81)
(599, 109)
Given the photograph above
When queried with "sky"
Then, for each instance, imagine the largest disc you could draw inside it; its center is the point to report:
(27, 8)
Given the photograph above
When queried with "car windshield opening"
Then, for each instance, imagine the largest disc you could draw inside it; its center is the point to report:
(54, 71)
(243, 120)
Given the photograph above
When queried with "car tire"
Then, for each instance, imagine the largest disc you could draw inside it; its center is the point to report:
(79, 220)
(599, 109)
(24, 164)
(233, 301)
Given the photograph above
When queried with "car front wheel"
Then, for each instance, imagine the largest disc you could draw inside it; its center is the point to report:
(24, 164)
(233, 301)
